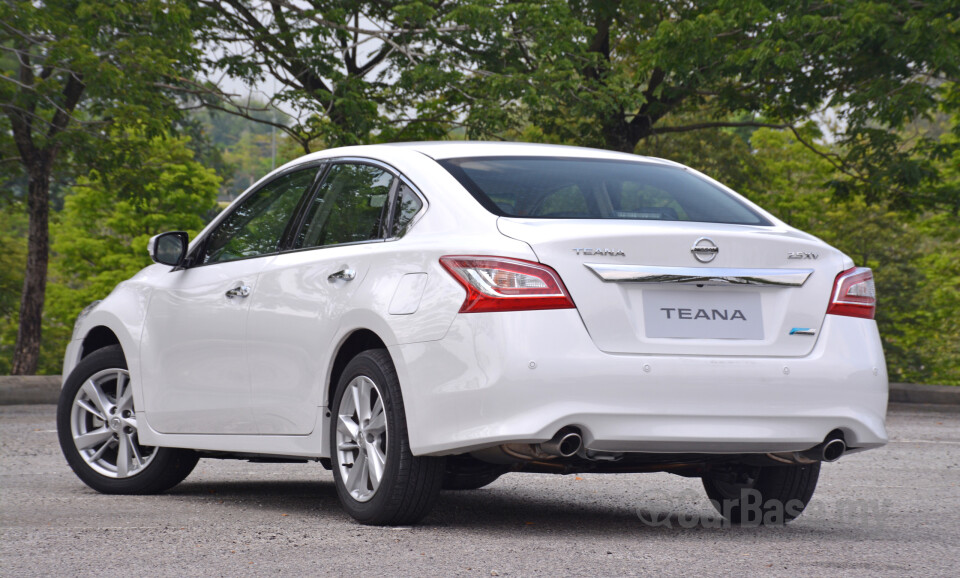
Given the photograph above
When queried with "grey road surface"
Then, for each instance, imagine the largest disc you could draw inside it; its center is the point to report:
(893, 512)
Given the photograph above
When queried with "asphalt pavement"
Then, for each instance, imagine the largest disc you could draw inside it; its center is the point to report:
(892, 511)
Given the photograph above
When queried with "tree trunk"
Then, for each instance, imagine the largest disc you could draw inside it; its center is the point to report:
(26, 354)
(622, 135)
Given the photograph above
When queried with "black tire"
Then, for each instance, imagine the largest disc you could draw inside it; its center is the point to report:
(165, 467)
(409, 485)
(768, 495)
(467, 473)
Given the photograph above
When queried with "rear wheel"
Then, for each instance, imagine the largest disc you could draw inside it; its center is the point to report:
(379, 481)
(467, 473)
(97, 429)
(767, 495)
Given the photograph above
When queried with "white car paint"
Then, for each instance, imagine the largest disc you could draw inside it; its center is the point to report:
(253, 375)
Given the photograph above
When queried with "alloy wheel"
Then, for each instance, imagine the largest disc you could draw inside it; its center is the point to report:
(361, 438)
(103, 425)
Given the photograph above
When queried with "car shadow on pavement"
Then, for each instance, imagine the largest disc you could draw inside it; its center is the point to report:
(497, 510)
(319, 496)
(503, 512)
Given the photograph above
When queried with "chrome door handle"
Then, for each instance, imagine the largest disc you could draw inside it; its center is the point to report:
(343, 274)
(238, 291)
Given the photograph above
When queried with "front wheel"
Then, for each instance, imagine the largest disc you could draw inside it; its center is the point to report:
(97, 429)
(767, 495)
(379, 481)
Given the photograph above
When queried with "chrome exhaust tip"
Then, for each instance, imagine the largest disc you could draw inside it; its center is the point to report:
(833, 450)
(565, 444)
(829, 450)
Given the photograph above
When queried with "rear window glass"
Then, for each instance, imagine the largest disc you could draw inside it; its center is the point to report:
(564, 188)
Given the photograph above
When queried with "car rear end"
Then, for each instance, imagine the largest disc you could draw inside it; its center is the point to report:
(656, 313)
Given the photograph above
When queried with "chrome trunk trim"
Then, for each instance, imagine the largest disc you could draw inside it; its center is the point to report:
(615, 273)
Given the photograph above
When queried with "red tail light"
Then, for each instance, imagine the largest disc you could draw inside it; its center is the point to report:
(500, 284)
(854, 294)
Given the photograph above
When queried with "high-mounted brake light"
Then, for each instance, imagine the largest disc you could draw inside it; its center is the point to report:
(854, 294)
(501, 284)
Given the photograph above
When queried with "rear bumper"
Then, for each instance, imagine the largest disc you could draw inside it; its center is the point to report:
(521, 376)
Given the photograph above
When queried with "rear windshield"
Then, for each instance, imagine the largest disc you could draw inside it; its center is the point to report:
(564, 188)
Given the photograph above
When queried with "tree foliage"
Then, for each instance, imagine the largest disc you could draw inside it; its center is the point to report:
(613, 73)
(101, 235)
(736, 88)
(358, 71)
(71, 68)
(13, 255)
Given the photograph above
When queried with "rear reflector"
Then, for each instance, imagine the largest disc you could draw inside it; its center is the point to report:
(501, 284)
(854, 294)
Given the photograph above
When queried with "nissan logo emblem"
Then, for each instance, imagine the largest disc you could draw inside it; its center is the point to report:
(704, 250)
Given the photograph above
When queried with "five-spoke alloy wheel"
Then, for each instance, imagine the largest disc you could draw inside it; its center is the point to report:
(97, 428)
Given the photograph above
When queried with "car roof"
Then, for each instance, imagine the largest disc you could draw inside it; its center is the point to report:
(439, 150)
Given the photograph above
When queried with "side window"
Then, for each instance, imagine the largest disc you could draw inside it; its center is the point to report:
(406, 207)
(349, 207)
(257, 224)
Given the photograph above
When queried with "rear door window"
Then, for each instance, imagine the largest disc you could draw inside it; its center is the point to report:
(406, 206)
(349, 207)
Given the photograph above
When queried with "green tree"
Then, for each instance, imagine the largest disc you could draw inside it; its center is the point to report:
(251, 155)
(13, 254)
(934, 334)
(358, 71)
(102, 233)
(612, 73)
(914, 256)
(722, 153)
(70, 69)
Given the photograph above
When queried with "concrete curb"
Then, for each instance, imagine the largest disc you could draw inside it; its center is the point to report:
(914, 393)
(45, 389)
(28, 389)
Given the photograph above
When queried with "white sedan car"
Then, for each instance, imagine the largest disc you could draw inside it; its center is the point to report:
(433, 315)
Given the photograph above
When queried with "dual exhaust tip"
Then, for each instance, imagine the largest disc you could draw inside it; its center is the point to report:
(568, 442)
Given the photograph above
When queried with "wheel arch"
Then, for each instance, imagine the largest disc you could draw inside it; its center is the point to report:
(97, 338)
(101, 329)
(118, 320)
(353, 344)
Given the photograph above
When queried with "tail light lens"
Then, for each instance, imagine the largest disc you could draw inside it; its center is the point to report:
(500, 284)
(854, 294)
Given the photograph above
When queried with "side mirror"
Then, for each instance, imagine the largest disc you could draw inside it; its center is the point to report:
(168, 248)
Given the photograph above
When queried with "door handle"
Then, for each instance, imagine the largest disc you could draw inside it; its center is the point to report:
(238, 291)
(343, 275)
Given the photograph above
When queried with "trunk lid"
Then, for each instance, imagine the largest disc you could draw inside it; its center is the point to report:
(640, 289)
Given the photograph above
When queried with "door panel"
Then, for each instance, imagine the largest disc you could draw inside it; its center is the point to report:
(293, 318)
(195, 374)
(193, 352)
(302, 295)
